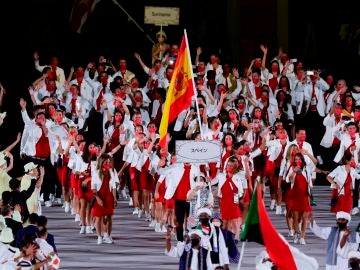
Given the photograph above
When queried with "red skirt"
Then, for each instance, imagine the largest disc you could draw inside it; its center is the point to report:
(135, 179)
(344, 202)
(170, 204)
(107, 209)
(63, 173)
(300, 195)
(85, 192)
(161, 192)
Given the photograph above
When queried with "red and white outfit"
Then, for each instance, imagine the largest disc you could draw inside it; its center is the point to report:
(104, 188)
(301, 185)
(347, 143)
(346, 181)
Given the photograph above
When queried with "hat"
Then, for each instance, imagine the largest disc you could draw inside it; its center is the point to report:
(204, 210)
(162, 33)
(344, 215)
(197, 232)
(354, 255)
(29, 166)
(2, 159)
(6, 235)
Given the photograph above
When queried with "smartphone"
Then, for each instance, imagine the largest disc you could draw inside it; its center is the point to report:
(294, 60)
(309, 73)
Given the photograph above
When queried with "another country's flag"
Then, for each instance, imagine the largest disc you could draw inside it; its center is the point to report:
(258, 228)
(180, 92)
(80, 12)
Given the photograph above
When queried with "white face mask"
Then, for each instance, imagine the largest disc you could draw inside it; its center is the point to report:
(216, 223)
(200, 184)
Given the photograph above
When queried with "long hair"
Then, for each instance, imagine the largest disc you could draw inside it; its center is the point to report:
(100, 162)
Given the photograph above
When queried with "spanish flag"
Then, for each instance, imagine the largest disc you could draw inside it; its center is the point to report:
(180, 91)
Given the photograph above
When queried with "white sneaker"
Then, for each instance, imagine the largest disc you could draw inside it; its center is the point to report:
(77, 218)
(302, 241)
(140, 213)
(51, 197)
(131, 202)
(163, 229)
(157, 227)
(296, 239)
(278, 210)
(73, 212)
(108, 240)
(272, 205)
(57, 202)
(123, 194)
(152, 223)
(41, 199)
(67, 207)
(100, 240)
(88, 229)
(355, 211)
(83, 230)
(136, 211)
(291, 233)
(48, 203)
(284, 212)
(150, 206)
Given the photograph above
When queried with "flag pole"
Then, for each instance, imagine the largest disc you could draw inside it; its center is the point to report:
(243, 243)
(193, 82)
(241, 255)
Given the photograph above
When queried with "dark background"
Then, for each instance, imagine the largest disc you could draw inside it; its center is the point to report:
(307, 30)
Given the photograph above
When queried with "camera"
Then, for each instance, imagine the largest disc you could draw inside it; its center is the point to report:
(294, 60)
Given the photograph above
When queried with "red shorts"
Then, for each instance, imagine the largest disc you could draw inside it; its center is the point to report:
(170, 204)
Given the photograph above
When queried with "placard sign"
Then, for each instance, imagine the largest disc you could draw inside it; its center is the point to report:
(197, 151)
(162, 15)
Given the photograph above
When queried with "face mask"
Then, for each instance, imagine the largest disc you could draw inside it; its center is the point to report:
(284, 84)
(354, 265)
(256, 125)
(216, 125)
(258, 64)
(281, 98)
(241, 152)
(341, 226)
(255, 80)
(118, 118)
(151, 129)
(282, 136)
(72, 133)
(302, 138)
(228, 142)
(60, 119)
(247, 149)
(104, 80)
(51, 88)
(201, 69)
(352, 132)
(348, 103)
(137, 121)
(274, 69)
(199, 184)
(338, 111)
(106, 166)
(204, 221)
(352, 164)
(232, 116)
(138, 99)
(241, 106)
(230, 169)
(264, 98)
(195, 242)
(257, 114)
(81, 148)
(51, 111)
(122, 66)
(92, 151)
(298, 163)
(135, 85)
(356, 115)
(216, 223)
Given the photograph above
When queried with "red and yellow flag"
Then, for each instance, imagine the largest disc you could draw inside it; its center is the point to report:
(180, 92)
